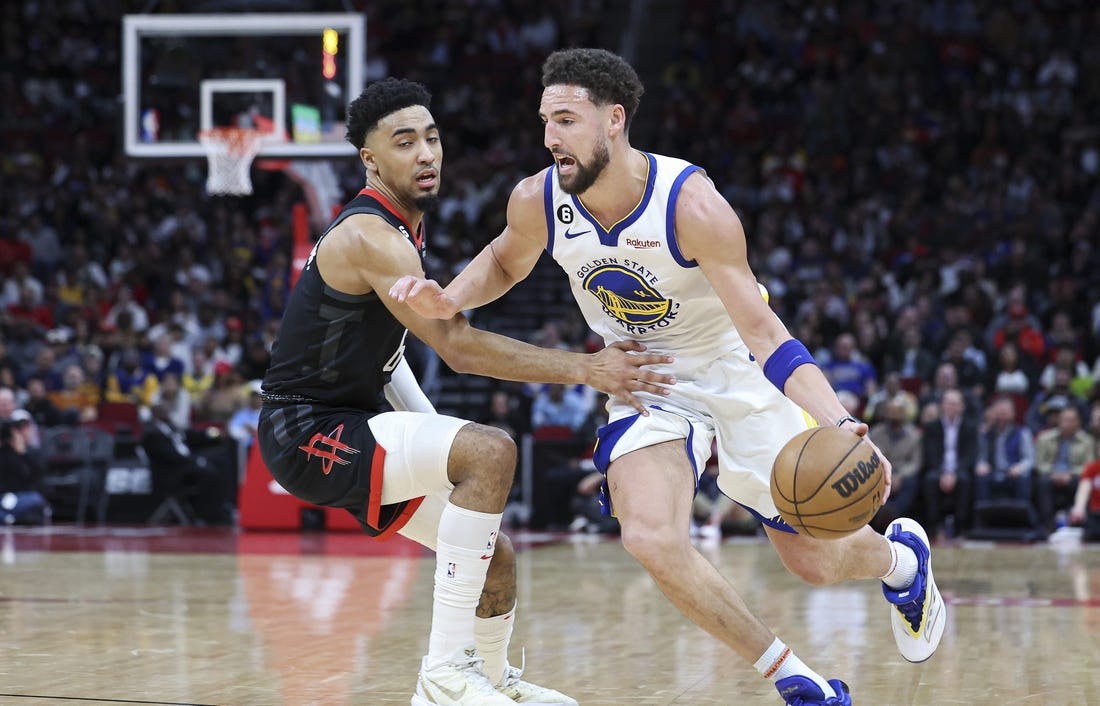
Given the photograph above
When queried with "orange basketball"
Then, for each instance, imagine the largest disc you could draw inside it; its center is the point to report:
(827, 482)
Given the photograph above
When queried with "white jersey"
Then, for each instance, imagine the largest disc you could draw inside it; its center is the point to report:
(632, 282)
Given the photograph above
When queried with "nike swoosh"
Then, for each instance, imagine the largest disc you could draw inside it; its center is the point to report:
(568, 234)
(455, 696)
(486, 556)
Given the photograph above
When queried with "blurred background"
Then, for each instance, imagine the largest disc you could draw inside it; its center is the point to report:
(917, 181)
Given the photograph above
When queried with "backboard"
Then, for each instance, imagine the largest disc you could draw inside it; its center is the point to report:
(291, 73)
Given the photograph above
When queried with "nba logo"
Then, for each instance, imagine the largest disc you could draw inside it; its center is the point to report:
(451, 570)
(492, 540)
(150, 125)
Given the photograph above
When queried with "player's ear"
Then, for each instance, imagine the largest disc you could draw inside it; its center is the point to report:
(616, 119)
(366, 155)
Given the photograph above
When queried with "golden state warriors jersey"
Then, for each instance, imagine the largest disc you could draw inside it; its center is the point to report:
(631, 281)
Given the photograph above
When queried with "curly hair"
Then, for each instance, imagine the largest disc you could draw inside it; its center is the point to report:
(608, 77)
(379, 100)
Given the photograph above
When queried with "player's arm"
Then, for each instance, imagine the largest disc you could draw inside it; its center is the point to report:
(709, 232)
(404, 392)
(508, 259)
(367, 254)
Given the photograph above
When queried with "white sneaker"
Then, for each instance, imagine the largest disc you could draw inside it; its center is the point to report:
(917, 613)
(523, 692)
(457, 683)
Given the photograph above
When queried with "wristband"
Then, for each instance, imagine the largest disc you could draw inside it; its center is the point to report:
(780, 364)
(846, 418)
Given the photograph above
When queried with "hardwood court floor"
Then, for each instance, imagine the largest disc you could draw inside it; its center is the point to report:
(160, 616)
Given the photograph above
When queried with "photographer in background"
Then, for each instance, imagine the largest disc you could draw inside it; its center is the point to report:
(21, 500)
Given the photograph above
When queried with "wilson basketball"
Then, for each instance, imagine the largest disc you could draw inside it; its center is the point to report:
(827, 482)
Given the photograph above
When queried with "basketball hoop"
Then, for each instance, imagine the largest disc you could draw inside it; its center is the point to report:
(229, 155)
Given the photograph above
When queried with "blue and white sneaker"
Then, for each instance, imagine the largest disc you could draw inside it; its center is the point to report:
(917, 613)
(803, 691)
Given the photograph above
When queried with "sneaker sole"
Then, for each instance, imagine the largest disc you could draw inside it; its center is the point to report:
(939, 619)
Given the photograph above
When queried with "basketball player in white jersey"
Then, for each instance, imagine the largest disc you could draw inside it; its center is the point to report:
(655, 254)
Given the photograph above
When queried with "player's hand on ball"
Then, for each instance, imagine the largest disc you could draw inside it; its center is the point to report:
(861, 429)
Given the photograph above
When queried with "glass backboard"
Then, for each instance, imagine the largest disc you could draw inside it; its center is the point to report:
(291, 73)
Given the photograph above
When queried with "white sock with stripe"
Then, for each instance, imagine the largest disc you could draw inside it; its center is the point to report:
(465, 545)
(779, 662)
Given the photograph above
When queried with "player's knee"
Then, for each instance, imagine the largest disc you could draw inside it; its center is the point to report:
(483, 452)
(499, 451)
(652, 544)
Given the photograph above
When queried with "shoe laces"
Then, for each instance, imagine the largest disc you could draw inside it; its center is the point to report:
(470, 664)
(513, 674)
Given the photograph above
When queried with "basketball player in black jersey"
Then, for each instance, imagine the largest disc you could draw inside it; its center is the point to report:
(326, 433)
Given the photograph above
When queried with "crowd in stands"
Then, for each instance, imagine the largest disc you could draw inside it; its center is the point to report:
(917, 181)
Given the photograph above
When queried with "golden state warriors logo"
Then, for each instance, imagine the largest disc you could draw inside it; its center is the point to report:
(628, 298)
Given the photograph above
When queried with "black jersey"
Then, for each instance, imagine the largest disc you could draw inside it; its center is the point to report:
(333, 348)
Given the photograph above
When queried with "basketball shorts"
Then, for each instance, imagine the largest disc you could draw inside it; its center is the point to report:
(378, 467)
(727, 401)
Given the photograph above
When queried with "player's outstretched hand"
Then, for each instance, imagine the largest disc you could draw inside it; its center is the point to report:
(620, 371)
(424, 296)
(887, 469)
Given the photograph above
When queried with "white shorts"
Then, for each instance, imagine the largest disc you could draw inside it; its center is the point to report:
(728, 400)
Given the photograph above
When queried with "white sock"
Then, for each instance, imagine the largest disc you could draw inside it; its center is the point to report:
(464, 547)
(778, 662)
(903, 567)
(491, 636)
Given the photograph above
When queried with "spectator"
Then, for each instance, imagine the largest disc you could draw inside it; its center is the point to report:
(1006, 456)
(78, 397)
(176, 400)
(1086, 503)
(558, 406)
(1019, 329)
(200, 377)
(848, 370)
(1007, 376)
(171, 457)
(124, 302)
(41, 409)
(244, 422)
(503, 413)
(218, 404)
(129, 381)
(160, 361)
(1061, 454)
(900, 441)
(891, 391)
(949, 452)
(1049, 402)
(21, 499)
(912, 360)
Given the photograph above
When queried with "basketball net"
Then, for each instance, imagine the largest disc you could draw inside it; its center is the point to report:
(229, 155)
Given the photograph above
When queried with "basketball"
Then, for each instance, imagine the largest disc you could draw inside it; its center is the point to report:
(827, 482)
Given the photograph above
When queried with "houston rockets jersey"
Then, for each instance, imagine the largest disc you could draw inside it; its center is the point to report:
(632, 282)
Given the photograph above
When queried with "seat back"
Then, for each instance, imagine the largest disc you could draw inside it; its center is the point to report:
(64, 447)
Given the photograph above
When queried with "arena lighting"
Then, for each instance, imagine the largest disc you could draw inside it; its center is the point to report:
(330, 43)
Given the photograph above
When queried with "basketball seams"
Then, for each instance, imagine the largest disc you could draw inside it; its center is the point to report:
(795, 508)
(828, 476)
(794, 476)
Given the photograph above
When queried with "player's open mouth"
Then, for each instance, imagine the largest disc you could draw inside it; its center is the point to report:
(565, 164)
(427, 179)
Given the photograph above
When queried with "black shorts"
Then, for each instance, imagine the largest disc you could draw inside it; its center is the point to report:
(328, 456)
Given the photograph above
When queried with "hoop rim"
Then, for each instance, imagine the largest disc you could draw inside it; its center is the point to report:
(238, 140)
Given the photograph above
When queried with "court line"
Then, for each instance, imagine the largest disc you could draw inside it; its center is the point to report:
(87, 699)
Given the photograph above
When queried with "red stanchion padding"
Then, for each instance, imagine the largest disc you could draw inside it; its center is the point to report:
(265, 505)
